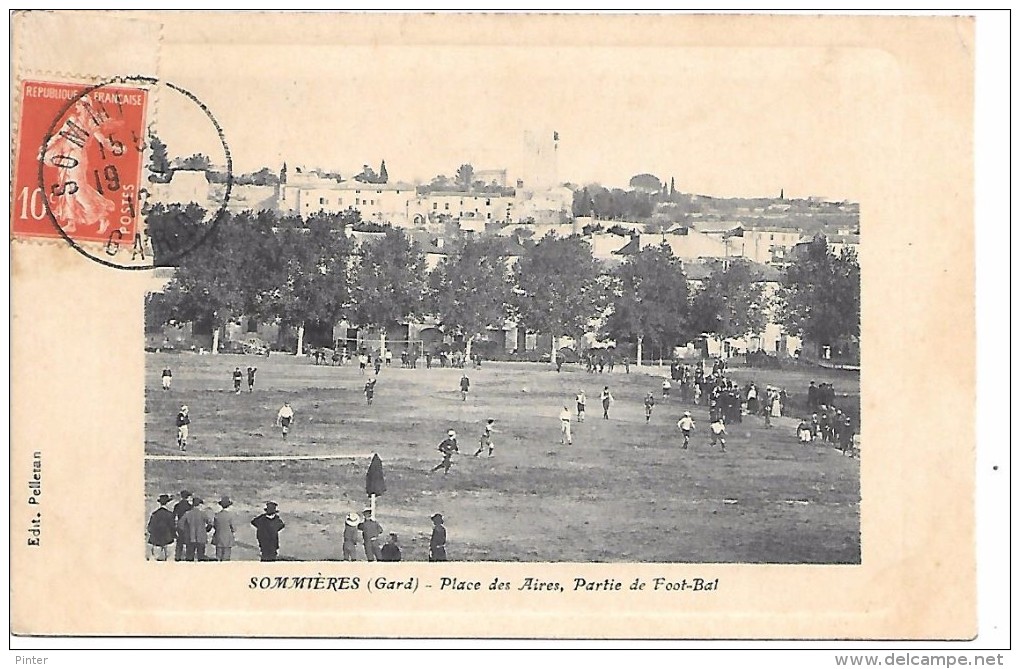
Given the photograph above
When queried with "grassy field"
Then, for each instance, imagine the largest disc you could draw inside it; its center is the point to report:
(623, 492)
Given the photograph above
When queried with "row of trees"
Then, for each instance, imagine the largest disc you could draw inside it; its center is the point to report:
(308, 271)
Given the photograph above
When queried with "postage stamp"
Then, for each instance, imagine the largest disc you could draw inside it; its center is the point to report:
(79, 157)
(87, 173)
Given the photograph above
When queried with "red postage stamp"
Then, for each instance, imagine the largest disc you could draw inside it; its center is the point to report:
(78, 165)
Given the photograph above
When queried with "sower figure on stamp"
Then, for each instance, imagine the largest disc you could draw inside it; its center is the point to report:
(437, 543)
(162, 530)
(267, 531)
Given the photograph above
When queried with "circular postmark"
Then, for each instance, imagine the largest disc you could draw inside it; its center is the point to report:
(92, 172)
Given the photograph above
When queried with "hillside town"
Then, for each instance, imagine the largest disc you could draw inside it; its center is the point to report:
(705, 238)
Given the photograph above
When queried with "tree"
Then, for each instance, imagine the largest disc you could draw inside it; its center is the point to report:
(207, 286)
(647, 182)
(821, 295)
(465, 177)
(389, 281)
(557, 289)
(650, 304)
(159, 161)
(198, 161)
(367, 176)
(313, 276)
(469, 290)
(731, 303)
(384, 176)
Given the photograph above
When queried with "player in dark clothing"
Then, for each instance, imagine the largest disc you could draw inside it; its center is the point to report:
(181, 508)
(369, 391)
(251, 378)
(465, 386)
(183, 421)
(447, 447)
(437, 544)
(162, 529)
(237, 379)
(390, 551)
(267, 532)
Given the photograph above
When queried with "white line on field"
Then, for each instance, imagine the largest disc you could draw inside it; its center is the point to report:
(235, 458)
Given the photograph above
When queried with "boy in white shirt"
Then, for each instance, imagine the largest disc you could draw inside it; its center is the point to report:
(719, 432)
(686, 425)
(284, 418)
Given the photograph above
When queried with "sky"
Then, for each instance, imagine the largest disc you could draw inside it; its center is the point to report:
(735, 121)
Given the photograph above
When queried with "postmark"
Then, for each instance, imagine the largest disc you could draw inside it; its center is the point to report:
(82, 171)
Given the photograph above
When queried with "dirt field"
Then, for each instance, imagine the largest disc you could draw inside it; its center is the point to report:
(623, 492)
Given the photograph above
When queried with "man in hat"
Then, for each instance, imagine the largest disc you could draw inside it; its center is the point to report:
(686, 425)
(391, 551)
(267, 531)
(181, 508)
(284, 418)
(370, 533)
(486, 439)
(351, 535)
(465, 386)
(162, 530)
(183, 421)
(194, 528)
(223, 530)
(237, 380)
(167, 378)
(447, 447)
(565, 437)
(251, 378)
(437, 544)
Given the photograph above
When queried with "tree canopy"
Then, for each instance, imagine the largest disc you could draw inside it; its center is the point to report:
(731, 302)
(821, 296)
(557, 289)
(650, 299)
(469, 290)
